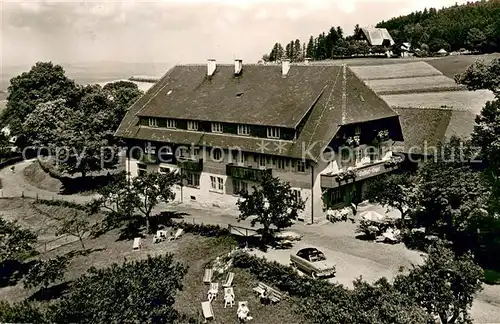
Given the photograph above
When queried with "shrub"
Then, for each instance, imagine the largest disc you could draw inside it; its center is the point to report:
(62, 203)
(197, 229)
(375, 304)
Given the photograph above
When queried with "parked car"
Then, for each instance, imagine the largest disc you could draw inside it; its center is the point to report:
(313, 262)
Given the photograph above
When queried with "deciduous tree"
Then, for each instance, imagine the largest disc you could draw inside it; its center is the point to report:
(77, 224)
(135, 292)
(45, 272)
(43, 83)
(22, 312)
(399, 191)
(481, 76)
(273, 203)
(16, 243)
(118, 198)
(445, 285)
(153, 188)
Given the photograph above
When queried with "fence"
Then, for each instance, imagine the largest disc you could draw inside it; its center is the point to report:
(242, 231)
(40, 196)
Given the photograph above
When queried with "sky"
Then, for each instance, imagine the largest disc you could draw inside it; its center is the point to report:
(177, 31)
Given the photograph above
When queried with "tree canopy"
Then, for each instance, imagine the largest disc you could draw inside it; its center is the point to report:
(16, 243)
(272, 202)
(474, 26)
(79, 131)
(43, 83)
(134, 292)
(445, 285)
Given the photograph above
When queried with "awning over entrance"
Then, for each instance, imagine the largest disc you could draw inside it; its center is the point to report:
(364, 172)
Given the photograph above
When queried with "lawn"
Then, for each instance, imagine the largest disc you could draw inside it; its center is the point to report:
(38, 178)
(412, 85)
(395, 71)
(457, 100)
(194, 251)
(451, 65)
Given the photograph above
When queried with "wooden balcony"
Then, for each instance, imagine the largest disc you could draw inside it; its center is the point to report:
(195, 165)
(246, 173)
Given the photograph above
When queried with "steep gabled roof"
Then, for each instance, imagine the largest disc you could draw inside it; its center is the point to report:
(260, 96)
(376, 36)
(322, 97)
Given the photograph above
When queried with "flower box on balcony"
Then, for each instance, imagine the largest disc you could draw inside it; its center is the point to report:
(346, 176)
(393, 162)
(352, 141)
(383, 135)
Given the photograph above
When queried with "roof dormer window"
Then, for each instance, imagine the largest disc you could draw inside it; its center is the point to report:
(243, 130)
(216, 128)
(273, 132)
(171, 123)
(152, 122)
(192, 125)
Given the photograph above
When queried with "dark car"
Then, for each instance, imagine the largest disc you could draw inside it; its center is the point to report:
(312, 261)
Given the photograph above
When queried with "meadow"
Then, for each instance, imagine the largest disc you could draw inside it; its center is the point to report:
(472, 101)
(411, 85)
(395, 71)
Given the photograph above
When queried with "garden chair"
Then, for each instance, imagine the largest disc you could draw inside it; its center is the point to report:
(177, 235)
(229, 280)
(213, 291)
(137, 243)
(207, 278)
(208, 313)
(228, 297)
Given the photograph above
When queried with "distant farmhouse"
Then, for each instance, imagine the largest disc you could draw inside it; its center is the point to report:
(222, 126)
(375, 36)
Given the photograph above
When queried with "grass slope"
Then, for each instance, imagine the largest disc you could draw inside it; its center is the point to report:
(451, 65)
(37, 177)
(194, 251)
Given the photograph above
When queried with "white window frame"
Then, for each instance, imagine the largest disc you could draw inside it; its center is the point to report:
(301, 166)
(244, 130)
(359, 154)
(217, 183)
(193, 177)
(217, 155)
(239, 185)
(238, 157)
(192, 125)
(262, 161)
(152, 122)
(281, 164)
(220, 182)
(273, 132)
(217, 128)
(171, 123)
(296, 194)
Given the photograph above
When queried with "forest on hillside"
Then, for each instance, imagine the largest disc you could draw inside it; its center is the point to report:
(473, 26)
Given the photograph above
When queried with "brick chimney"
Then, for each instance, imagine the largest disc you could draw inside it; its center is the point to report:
(285, 67)
(211, 67)
(238, 66)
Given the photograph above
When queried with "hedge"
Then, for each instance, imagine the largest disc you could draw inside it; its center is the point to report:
(62, 203)
(199, 229)
(49, 168)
